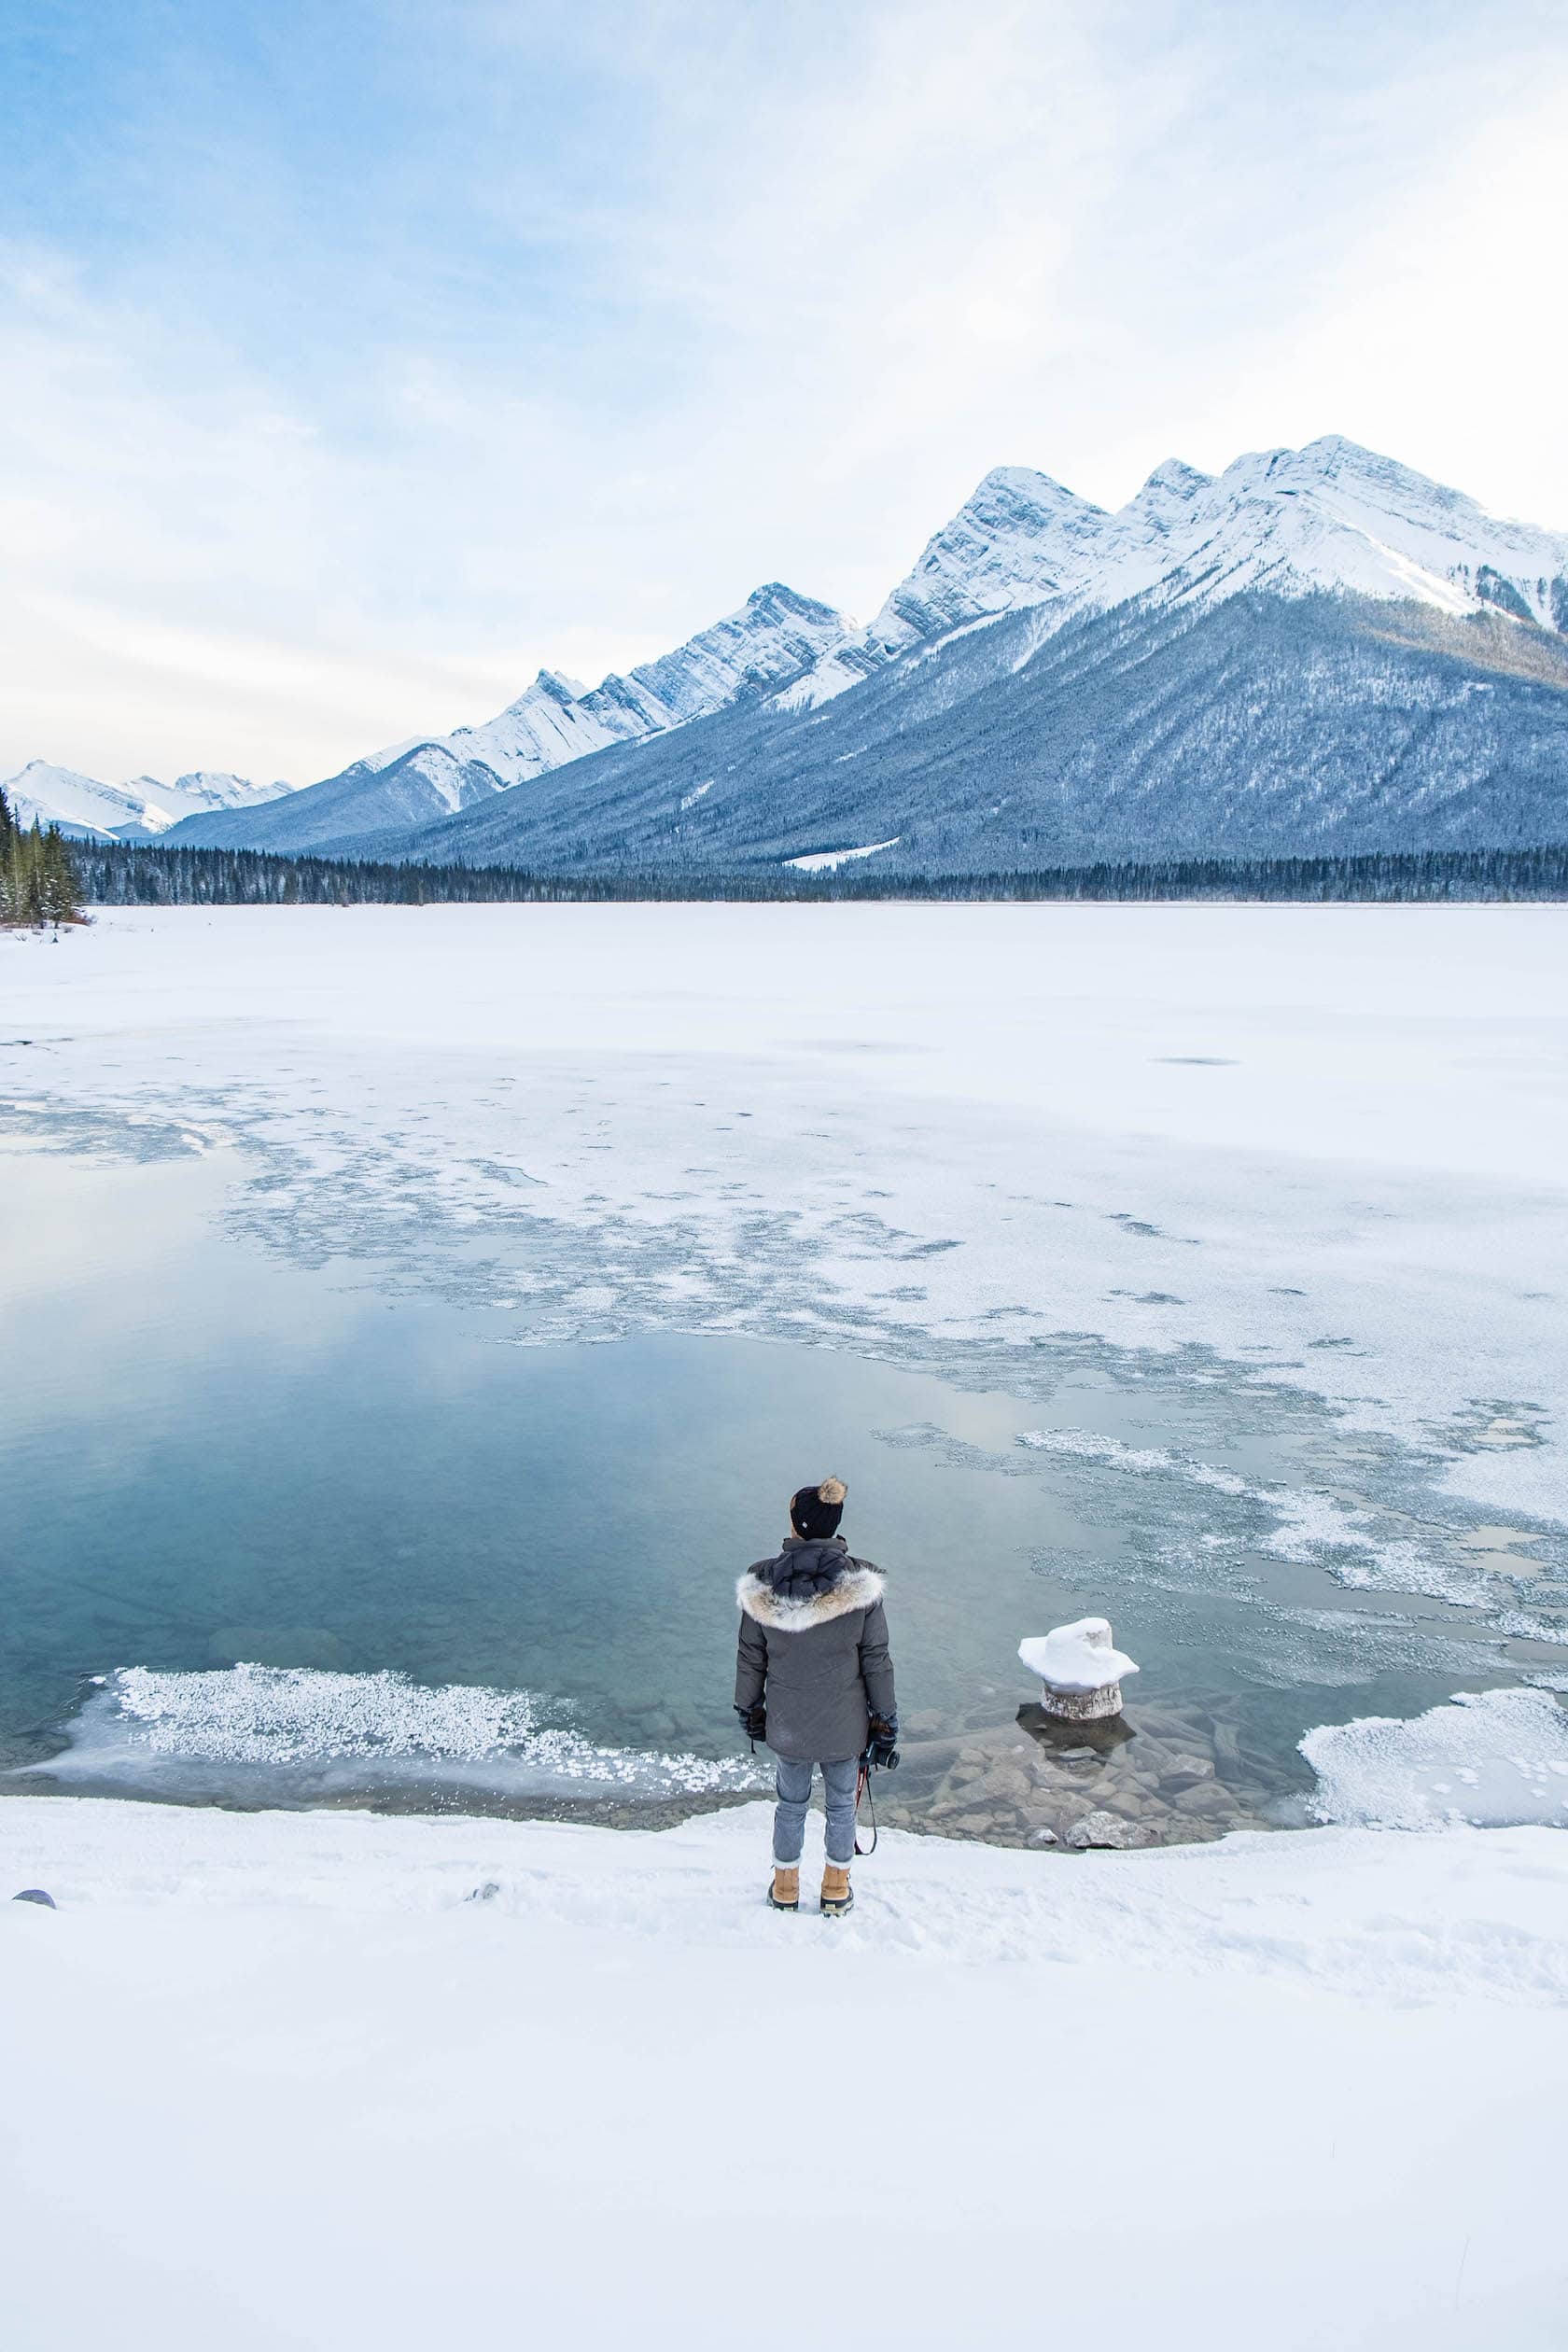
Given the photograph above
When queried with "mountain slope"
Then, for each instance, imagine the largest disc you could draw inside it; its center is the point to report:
(774, 636)
(1256, 725)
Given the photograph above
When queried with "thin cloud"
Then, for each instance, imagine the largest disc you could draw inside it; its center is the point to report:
(550, 339)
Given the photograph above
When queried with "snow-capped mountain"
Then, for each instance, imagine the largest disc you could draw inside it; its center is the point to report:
(773, 638)
(1336, 516)
(76, 804)
(1021, 539)
(135, 811)
(785, 731)
(1316, 650)
(1330, 516)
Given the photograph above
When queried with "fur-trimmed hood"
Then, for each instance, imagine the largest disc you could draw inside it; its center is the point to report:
(806, 1584)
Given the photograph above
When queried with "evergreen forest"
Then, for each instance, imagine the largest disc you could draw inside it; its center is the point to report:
(114, 874)
(38, 877)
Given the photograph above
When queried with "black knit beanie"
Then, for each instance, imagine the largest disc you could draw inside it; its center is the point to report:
(815, 1511)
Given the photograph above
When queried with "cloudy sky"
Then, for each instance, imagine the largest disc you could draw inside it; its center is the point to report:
(360, 357)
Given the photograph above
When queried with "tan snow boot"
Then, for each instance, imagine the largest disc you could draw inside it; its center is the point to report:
(837, 1896)
(784, 1894)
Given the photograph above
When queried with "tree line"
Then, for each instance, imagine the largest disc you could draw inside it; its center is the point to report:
(38, 877)
(115, 873)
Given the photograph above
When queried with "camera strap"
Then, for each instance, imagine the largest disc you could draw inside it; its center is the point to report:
(862, 1791)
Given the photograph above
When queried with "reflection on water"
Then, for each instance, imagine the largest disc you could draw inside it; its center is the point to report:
(212, 1459)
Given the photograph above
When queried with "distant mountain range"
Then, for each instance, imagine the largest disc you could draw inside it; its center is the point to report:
(137, 811)
(1319, 652)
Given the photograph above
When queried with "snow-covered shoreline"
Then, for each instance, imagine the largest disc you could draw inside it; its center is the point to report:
(310, 2080)
(1333, 1909)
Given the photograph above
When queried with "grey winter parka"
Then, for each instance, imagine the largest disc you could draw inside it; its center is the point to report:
(814, 1650)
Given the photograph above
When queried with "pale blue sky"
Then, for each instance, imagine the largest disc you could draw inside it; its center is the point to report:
(358, 357)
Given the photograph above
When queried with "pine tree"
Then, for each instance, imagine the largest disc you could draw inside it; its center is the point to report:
(59, 889)
(7, 860)
(31, 892)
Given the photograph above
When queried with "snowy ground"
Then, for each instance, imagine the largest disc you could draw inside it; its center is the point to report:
(276, 2082)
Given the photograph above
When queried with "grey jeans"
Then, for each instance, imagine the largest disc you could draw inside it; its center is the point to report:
(794, 1784)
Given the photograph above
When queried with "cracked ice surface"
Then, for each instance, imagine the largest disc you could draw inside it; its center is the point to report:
(1320, 1147)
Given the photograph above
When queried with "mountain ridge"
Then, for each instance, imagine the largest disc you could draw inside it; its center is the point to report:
(770, 639)
(1023, 560)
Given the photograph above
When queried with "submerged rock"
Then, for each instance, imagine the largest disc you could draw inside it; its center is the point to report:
(1109, 1830)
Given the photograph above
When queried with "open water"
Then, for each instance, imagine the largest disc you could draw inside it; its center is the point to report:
(274, 1533)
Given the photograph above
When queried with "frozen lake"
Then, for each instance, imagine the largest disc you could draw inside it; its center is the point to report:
(422, 1315)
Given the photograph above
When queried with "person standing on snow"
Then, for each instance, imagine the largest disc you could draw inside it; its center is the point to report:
(813, 1678)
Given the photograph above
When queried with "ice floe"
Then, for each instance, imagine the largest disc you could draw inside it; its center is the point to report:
(277, 1731)
(1494, 1758)
(1310, 1526)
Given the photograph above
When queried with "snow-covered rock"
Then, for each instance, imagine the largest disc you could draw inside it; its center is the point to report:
(1081, 1671)
(1333, 516)
(1022, 539)
(774, 637)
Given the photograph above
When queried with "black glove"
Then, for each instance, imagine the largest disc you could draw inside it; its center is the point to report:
(753, 1721)
(883, 1750)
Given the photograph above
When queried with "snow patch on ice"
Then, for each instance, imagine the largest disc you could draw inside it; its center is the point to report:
(1087, 1445)
(1310, 1524)
(1497, 1759)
